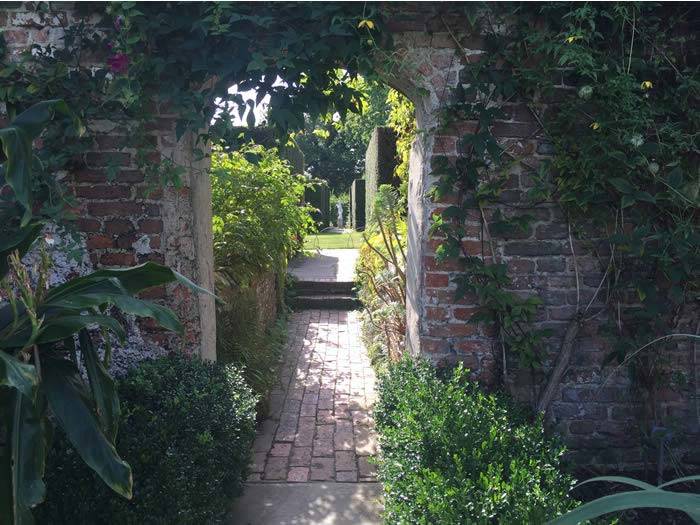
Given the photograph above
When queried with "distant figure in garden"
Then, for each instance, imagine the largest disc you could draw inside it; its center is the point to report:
(339, 208)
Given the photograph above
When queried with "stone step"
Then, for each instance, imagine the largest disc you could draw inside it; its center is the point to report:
(326, 302)
(324, 287)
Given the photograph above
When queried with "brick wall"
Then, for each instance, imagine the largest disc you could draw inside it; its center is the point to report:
(120, 221)
(599, 420)
(122, 224)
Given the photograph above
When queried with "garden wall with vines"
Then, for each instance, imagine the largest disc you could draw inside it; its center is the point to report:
(553, 185)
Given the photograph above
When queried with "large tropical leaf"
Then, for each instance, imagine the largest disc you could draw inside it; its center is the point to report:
(140, 308)
(17, 146)
(103, 387)
(15, 374)
(138, 278)
(60, 326)
(29, 439)
(70, 405)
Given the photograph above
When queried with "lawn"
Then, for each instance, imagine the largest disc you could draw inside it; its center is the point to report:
(320, 241)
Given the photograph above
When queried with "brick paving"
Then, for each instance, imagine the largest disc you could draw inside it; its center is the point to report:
(320, 426)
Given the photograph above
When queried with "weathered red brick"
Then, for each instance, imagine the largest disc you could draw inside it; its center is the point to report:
(101, 159)
(118, 259)
(88, 225)
(150, 226)
(99, 242)
(103, 191)
(119, 226)
(437, 280)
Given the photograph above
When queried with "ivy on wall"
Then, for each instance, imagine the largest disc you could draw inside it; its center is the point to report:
(623, 170)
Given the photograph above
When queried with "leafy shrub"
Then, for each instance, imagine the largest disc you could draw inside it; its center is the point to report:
(452, 454)
(258, 220)
(186, 431)
(381, 278)
(245, 340)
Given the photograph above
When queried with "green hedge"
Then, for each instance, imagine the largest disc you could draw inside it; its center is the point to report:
(187, 428)
(454, 455)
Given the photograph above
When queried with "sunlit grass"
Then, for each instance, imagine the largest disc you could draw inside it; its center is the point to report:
(321, 241)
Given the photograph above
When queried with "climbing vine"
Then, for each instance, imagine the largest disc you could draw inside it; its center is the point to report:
(141, 62)
(615, 91)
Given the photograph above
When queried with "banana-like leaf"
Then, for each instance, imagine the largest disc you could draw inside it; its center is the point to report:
(29, 438)
(104, 388)
(147, 275)
(70, 405)
(638, 499)
(59, 327)
(83, 292)
(164, 316)
(18, 375)
(17, 146)
(64, 326)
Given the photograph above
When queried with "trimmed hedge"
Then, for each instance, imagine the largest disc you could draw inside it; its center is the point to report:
(186, 430)
(454, 455)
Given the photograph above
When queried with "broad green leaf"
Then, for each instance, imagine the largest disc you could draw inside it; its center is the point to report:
(164, 316)
(33, 120)
(64, 326)
(621, 185)
(70, 405)
(29, 442)
(17, 147)
(60, 326)
(638, 499)
(147, 275)
(18, 375)
(103, 387)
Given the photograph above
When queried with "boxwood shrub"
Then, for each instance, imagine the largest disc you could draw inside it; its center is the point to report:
(186, 430)
(452, 454)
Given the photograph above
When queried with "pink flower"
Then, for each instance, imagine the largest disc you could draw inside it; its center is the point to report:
(118, 63)
(118, 22)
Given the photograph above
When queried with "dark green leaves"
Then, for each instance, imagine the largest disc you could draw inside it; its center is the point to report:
(15, 374)
(17, 146)
(70, 404)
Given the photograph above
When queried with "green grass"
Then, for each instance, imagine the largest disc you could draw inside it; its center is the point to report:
(322, 241)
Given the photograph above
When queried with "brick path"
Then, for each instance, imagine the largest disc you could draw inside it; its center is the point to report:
(320, 426)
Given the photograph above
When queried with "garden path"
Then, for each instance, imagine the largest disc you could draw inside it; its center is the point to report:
(311, 457)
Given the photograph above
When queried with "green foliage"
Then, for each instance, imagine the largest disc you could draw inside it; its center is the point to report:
(402, 119)
(648, 497)
(334, 150)
(186, 431)
(242, 337)
(40, 381)
(257, 217)
(452, 454)
(623, 169)
(381, 278)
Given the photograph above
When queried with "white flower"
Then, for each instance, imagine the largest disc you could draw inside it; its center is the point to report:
(585, 92)
(636, 140)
